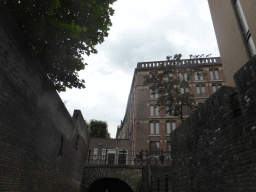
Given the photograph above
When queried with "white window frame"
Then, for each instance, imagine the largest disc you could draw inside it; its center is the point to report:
(95, 153)
(126, 152)
(154, 128)
(111, 151)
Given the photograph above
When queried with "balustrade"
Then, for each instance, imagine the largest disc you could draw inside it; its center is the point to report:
(185, 62)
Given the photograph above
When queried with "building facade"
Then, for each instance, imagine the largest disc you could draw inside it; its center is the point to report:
(149, 128)
(235, 29)
(110, 151)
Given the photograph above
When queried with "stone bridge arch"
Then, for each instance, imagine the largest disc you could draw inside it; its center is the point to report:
(110, 185)
(130, 175)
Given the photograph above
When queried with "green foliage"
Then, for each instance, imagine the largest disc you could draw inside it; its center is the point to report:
(61, 31)
(168, 87)
(99, 129)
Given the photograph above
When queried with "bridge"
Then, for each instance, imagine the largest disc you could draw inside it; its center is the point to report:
(126, 178)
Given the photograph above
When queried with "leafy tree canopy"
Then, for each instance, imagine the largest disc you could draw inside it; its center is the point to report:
(61, 31)
(99, 129)
(172, 85)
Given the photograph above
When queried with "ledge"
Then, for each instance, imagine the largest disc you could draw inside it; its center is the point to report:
(114, 166)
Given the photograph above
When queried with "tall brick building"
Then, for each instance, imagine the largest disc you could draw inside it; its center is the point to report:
(146, 126)
(235, 28)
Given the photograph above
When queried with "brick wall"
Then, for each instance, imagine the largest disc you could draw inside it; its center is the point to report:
(42, 147)
(214, 149)
(106, 143)
(133, 176)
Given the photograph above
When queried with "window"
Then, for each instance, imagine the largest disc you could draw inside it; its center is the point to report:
(214, 74)
(153, 94)
(154, 128)
(200, 77)
(154, 111)
(154, 148)
(181, 90)
(95, 153)
(122, 157)
(166, 77)
(168, 147)
(173, 126)
(187, 91)
(215, 87)
(168, 113)
(245, 28)
(103, 154)
(189, 111)
(183, 76)
(200, 91)
(111, 156)
(184, 110)
(170, 126)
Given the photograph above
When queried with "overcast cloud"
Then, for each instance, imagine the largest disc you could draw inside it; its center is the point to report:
(143, 30)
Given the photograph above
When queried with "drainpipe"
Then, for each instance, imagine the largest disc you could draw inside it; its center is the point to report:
(134, 103)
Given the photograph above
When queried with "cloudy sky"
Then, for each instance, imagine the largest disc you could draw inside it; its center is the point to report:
(143, 30)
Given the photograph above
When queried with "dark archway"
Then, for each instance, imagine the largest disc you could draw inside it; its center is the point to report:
(110, 185)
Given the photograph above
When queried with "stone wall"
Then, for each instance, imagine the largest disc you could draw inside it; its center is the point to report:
(214, 149)
(132, 175)
(42, 147)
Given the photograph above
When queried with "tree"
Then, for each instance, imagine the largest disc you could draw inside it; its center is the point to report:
(172, 85)
(61, 31)
(99, 129)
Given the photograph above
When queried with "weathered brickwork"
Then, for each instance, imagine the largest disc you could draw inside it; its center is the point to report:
(139, 115)
(214, 149)
(42, 147)
(132, 175)
(104, 145)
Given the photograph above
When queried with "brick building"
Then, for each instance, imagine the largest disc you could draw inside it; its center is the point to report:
(234, 24)
(146, 126)
(110, 151)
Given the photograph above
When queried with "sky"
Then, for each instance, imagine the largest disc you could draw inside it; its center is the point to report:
(142, 30)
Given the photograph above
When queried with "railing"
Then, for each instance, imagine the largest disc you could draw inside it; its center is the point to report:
(125, 157)
(185, 62)
(157, 182)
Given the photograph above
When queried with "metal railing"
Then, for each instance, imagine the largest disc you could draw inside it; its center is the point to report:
(125, 157)
(183, 62)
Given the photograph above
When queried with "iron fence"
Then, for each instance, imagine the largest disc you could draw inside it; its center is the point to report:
(125, 157)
